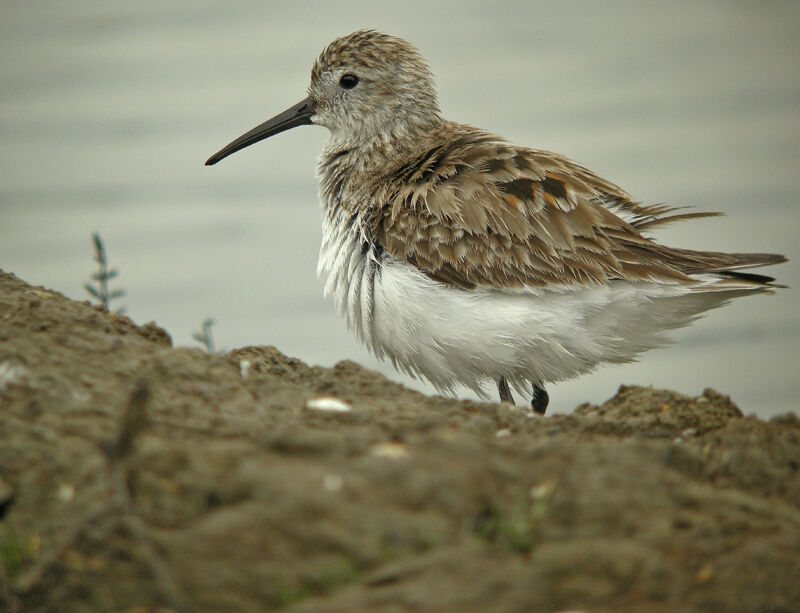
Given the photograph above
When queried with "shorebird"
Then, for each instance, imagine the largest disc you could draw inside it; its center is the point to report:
(467, 260)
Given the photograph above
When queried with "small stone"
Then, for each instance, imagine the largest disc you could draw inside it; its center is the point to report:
(332, 483)
(66, 492)
(10, 374)
(328, 403)
(393, 451)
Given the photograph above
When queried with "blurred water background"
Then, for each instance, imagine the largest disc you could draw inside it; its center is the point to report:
(109, 110)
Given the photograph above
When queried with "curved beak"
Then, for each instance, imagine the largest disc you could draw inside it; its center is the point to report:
(298, 115)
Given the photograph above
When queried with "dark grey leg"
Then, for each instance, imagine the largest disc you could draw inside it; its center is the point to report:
(540, 399)
(505, 391)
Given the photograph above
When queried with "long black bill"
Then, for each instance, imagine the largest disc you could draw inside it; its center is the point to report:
(298, 115)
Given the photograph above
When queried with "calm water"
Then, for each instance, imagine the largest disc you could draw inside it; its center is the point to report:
(110, 109)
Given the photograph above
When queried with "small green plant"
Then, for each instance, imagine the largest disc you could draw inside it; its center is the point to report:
(103, 275)
(204, 336)
(514, 529)
(517, 526)
(16, 552)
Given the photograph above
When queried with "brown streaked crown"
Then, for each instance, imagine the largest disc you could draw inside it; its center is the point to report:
(369, 49)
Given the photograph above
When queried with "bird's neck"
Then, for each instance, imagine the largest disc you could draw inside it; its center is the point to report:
(386, 142)
(351, 165)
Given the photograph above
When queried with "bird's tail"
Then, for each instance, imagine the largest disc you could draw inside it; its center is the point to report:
(724, 270)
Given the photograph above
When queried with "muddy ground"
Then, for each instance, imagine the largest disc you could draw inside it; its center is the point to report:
(138, 477)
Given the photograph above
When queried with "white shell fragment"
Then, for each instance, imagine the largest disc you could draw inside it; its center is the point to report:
(328, 403)
(244, 368)
(10, 374)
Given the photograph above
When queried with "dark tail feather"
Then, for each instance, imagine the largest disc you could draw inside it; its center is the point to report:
(727, 265)
(689, 262)
(752, 278)
(735, 261)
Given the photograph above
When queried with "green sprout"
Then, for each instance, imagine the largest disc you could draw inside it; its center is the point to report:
(104, 274)
(16, 551)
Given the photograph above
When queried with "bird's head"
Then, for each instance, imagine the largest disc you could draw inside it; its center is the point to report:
(364, 86)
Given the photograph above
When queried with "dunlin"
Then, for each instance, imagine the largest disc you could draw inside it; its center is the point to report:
(467, 260)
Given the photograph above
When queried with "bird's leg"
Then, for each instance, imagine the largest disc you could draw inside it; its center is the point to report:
(505, 391)
(540, 399)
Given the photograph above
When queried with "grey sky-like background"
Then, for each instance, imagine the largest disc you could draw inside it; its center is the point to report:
(108, 111)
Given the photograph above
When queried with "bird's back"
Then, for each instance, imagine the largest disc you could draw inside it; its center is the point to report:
(472, 211)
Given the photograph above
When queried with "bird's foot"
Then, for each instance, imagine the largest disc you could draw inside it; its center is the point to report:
(505, 391)
(540, 399)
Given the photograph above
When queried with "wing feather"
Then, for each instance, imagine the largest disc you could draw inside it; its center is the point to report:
(480, 212)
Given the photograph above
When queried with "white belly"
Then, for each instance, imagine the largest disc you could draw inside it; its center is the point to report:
(473, 337)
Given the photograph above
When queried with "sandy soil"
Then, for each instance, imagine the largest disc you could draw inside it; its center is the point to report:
(138, 477)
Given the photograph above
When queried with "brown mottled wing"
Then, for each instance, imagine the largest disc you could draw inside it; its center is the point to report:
(475, 211)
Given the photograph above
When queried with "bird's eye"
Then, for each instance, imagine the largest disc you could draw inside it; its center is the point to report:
(348, 81)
